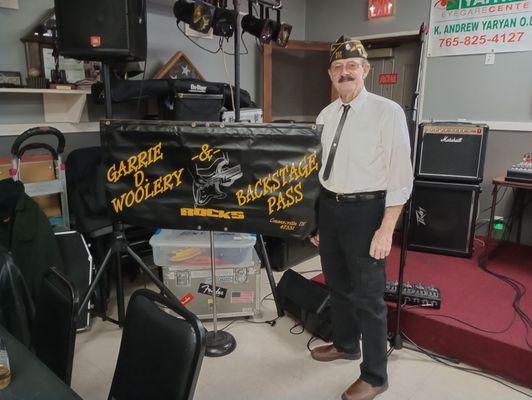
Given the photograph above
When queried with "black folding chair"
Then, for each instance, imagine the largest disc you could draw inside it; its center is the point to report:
(54, 327)
(161, 354)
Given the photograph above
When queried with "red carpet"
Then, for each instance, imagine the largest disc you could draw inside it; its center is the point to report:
(476, 297)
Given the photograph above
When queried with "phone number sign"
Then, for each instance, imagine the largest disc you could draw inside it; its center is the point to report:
(459, 27)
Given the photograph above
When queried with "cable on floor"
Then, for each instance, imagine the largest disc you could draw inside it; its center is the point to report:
(465, 369)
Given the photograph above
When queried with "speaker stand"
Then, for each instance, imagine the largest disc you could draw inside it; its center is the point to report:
(118, 246)
(119, 243)
(396, 341)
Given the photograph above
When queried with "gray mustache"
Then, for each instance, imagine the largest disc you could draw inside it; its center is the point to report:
(345, 79)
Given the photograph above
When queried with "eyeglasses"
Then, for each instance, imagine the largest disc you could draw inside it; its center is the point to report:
(351, 67)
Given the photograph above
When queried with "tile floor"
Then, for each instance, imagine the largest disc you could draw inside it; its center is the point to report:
(271, 363)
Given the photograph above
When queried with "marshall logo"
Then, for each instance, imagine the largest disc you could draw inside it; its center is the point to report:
(211, 213)
(421, 213)
(447, 139)
(197, 88)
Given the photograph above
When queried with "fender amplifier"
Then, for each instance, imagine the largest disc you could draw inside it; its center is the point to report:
(451, 151)
(442, 217)
(102, 29)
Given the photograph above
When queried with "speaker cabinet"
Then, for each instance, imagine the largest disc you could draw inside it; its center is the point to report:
(102, 30)
(442, 218)
(77, 261)
(307, 301)
(451, 152)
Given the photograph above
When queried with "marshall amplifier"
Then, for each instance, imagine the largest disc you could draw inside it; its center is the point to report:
(451, 151)
(442, 217)
(102, 29)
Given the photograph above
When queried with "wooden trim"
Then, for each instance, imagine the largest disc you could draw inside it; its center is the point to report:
(389, 35)
(305, 45)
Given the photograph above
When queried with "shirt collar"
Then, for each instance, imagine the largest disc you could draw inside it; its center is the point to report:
(356, 103)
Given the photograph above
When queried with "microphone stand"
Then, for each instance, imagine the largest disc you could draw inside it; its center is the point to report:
(396, 341)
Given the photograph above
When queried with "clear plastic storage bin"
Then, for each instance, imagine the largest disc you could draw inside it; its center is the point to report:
(173, 248)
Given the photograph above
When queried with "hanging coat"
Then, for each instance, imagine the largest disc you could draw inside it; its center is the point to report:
(27, 234)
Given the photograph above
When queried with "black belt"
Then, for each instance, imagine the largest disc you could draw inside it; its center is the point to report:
(339, 197)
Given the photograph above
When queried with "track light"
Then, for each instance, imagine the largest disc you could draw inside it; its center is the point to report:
(262, 28)
(281, 31)
(223, 23)
(198, 15)
(202, 16)
(266, 29)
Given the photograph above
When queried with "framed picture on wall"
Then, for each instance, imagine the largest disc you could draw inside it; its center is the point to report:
(10, 79)
(179, 67)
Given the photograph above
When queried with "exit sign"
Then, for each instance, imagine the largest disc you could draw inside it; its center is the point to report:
(381, 8)
(387, 79)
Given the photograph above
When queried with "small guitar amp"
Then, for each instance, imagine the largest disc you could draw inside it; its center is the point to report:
(451, 151)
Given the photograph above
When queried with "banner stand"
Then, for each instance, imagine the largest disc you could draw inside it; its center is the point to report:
(118, 244)
(219, 343)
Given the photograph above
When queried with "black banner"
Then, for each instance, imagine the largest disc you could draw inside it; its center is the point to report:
(258, 178)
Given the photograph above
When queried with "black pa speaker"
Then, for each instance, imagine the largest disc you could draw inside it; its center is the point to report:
(102, 30)
(307, 301)
(442, 218)
(451, 151)
(77, 261)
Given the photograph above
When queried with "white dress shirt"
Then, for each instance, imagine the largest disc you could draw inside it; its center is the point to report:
(374, 148)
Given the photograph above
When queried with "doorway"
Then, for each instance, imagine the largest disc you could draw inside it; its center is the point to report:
(394, 72)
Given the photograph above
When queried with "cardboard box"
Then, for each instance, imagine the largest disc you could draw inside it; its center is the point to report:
(36, 168)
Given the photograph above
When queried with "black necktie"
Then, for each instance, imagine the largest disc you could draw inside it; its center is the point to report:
(334, 145)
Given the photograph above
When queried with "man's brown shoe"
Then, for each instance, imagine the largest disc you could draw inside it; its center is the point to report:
(361, 390)
(329, 353)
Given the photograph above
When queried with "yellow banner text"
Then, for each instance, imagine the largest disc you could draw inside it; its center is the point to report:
(211, 212)
(145, 189)
(280, 178)
(134, 163)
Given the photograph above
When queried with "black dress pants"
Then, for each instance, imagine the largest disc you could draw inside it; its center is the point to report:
(356, 281)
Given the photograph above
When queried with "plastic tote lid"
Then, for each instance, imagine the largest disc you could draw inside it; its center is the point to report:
(169, 237)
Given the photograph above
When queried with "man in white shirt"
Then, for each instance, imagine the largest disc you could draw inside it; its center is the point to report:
(366, 177)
